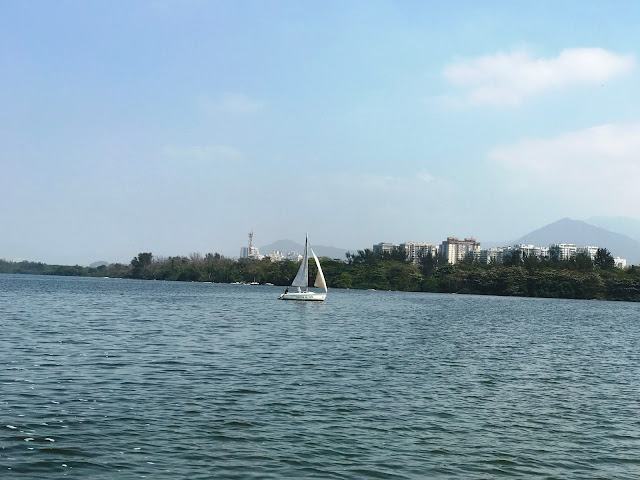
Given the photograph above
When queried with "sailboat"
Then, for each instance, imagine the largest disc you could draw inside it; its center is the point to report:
(302, 280)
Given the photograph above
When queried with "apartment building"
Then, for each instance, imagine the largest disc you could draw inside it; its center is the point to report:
(383, 247)
(416, 250)
(566, 250)
(531, 250)
(455, 250)
(249, 252)
(591, 251)
(491, 255)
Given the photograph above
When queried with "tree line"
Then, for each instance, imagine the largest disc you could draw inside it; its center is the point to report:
(517, 275)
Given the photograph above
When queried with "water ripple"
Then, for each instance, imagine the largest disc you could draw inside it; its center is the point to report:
(103, 378)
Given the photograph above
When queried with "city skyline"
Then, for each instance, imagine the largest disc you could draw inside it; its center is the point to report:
(173, 127)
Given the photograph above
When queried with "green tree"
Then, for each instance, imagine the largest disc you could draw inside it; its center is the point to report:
(428, 264)
(366, 257)
(604, 260)
(142, 260)
(345, 280)
(512, 258)
(396, 255)
(141, 265)
(583, 262)
(531, 263)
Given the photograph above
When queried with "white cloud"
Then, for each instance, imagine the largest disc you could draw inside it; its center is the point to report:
(382, 182)
(231, 102)
(597, 168)
(508, 79)
(413, 183)
(426, 177)
(202, 153)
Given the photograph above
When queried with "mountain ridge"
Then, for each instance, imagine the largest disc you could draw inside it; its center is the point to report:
(624, 225)
(567, 230)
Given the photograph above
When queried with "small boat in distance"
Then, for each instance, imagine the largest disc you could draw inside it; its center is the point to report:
(302, 280)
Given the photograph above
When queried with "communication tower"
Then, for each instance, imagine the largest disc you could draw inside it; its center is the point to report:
(250, 251)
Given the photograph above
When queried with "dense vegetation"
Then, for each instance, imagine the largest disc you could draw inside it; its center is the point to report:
(517, 275)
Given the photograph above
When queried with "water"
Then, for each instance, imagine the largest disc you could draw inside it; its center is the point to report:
(105, 378)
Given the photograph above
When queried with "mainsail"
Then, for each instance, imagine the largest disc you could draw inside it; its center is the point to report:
(302, 278)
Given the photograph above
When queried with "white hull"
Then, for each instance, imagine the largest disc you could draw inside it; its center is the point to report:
(303, 296)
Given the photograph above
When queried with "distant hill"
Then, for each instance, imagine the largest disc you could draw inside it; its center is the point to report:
(285, 246)
(583, 234)
(624, 225)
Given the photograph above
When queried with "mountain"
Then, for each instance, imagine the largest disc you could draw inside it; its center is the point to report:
(624, 225)
(285, 246)
(583, 234)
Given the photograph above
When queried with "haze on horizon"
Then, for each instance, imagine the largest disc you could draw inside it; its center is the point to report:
(177, 127)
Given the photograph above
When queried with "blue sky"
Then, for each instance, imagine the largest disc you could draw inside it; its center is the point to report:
(177, 127)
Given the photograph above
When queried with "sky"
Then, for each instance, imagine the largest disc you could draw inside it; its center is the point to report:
(175, 127)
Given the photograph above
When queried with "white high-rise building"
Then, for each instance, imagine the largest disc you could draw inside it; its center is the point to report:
(249, 252)
(383, 247)
(294, 256)
(454, 250)
(567, 250)
(276, 256)
(491, 255)
(531, 250)
(591, 251)
(416, 250)
(620, 262)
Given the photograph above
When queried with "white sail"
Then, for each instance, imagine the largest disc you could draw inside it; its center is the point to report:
(320, 281)
(302, 278)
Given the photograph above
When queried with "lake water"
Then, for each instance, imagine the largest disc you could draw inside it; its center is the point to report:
(106, 379)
